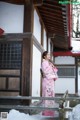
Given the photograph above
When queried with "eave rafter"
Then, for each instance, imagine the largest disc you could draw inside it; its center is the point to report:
(52, 13)
(54, 16)
(53, 19)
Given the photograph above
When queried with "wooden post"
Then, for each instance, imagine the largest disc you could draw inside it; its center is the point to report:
(28, 17)
(47, 43)
(42, 33)
(27, 52)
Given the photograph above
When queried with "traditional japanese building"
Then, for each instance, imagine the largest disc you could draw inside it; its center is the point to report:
(30, 27)
(68, 63)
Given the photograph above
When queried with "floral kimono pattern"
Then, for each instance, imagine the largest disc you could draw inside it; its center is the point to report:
(48, 81)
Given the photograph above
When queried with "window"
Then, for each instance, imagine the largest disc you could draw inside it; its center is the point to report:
(10, 55)
(66, 71)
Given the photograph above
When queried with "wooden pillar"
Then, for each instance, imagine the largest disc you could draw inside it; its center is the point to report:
(27, 67)
(27, 52)
(42, 38)
(47, 43)
(42, 33)
(28, 17)
(76, 78)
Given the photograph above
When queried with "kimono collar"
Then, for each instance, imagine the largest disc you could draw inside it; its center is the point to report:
(45, 60)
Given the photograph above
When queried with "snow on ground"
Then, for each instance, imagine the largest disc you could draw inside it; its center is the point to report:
(16, 115)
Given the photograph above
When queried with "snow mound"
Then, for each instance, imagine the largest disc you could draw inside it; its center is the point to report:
(16, 115)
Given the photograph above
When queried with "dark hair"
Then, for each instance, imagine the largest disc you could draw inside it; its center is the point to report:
(41, 72)
(44, 54)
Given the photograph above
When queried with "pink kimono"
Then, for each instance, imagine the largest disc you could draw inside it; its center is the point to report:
(49, 77)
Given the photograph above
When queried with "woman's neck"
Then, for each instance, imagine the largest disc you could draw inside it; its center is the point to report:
(46, 59)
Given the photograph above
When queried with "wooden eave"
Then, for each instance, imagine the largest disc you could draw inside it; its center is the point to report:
(22, 2)
(19, 2)
(54, 16)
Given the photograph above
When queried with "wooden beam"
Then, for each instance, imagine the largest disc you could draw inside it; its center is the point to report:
(47, 43)
(53, 20)
(15, 36)
(28, 17)
(49, 12)
(19, 2)
(14, 1)
(27, 52)
(52, 17)
(56, 32)
(54, 7)
(20, 37)
(54, 25)
(60, 45)
(27, 68)
(53, 2)
(37, 2)
(56, 28)
(42, 33)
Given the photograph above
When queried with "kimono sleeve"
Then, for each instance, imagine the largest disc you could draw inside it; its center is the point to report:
(47, 71)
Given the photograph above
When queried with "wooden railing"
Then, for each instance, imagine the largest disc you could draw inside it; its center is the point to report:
(61, 100)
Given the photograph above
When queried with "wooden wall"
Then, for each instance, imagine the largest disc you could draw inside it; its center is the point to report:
(18, 80)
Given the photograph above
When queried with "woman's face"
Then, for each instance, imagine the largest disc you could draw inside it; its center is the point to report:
(47, 57)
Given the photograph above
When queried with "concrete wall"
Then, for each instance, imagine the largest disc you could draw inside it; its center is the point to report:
(37, 27)
(11, 17)
(45, 40)
(63, 84)
(65, 60)
(36, 76)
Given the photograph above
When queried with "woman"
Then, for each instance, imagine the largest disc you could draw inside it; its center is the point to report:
(49, 76)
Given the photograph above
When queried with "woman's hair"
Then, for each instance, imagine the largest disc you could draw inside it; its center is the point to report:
(44, 54)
